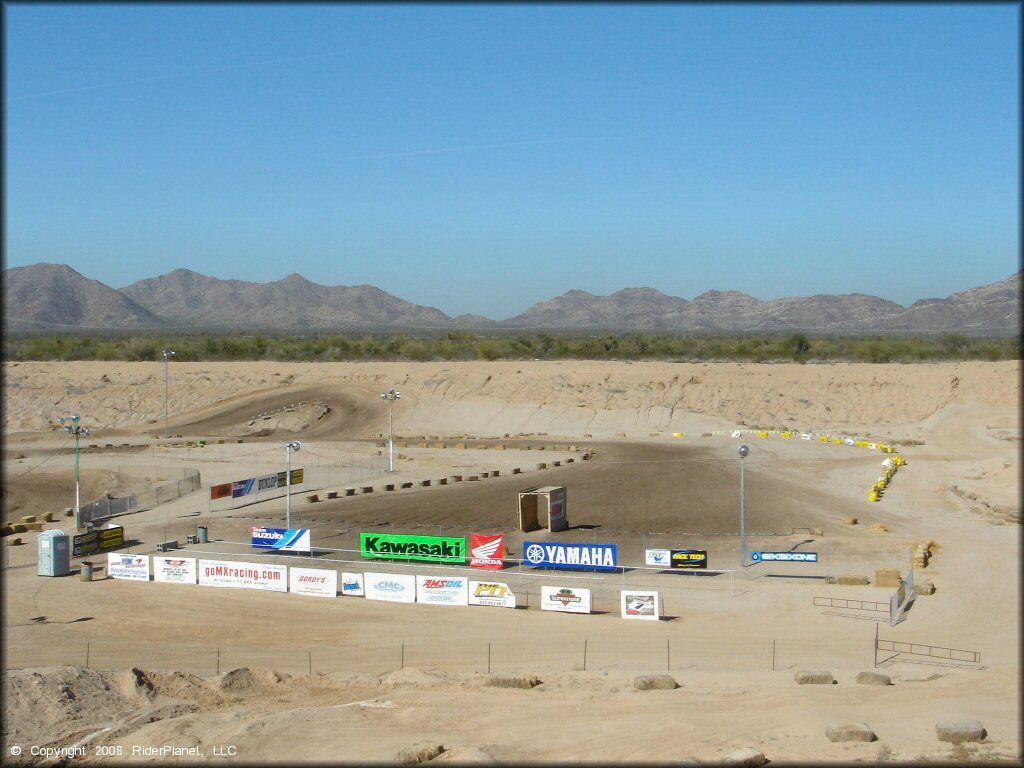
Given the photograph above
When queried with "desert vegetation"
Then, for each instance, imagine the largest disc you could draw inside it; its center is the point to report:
(467, 345)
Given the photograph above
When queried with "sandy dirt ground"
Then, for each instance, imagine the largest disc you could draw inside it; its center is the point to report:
(117, 671)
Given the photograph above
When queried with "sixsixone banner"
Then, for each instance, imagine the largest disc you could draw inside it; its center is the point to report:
(435, 589)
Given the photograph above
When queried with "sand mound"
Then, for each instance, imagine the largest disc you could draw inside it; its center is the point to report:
(412, 676)
(246, 681)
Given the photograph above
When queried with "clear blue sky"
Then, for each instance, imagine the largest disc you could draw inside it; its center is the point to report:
(482, 158)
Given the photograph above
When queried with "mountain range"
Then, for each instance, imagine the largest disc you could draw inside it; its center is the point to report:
(54, 297)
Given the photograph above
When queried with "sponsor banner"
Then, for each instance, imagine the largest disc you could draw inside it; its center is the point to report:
(269, 482)
(494, 593)
(97, 541)
(565, 599)
(689, 558)
(284, 539)
(242, 487)
(556, 509)
(660, 557)
(400, 546)
(640, 605)
(486, 551)
(297, 476)
(393, 587)
(796, 557)
(122, 566)
(220, 491)
(352, 584)
(228, 573)
(313, 581)
(442, 590)
(174, 570)
(578, 557)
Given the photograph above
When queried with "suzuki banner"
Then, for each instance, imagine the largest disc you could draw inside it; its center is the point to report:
(565, 599)
(495, 593)
(134, 567)
(174, 570)
(398, 546)
(442, 590)
(486, 551)
(284, 539)
(226, 573)
(578, 557)
(318, 582)
(393, 587)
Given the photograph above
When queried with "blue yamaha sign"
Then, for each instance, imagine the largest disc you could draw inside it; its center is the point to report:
(575, 557)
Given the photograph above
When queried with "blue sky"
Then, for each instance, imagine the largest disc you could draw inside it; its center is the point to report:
(482, 158)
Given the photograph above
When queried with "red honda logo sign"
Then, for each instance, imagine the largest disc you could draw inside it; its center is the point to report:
(486, 551)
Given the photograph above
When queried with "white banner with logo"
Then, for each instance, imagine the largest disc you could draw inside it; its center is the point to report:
(174, 570)
(661, 557)
(442, 590)
(352, 584)
(496, 593)
(640, 605)
(393, 587)
(318, 582)
(227, 573)
(565, 599)
(132, 567)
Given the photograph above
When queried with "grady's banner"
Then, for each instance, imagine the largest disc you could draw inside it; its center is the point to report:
(399, 546)
(575, 557)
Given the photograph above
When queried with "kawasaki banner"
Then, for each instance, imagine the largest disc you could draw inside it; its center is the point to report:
(577, 557)
(398, 546)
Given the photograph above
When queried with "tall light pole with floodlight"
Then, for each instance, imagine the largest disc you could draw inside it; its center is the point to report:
(72, 427)
(168, 353)
(391, 395)
(743, 451)
(294, 445)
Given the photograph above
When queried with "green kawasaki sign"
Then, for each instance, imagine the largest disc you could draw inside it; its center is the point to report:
(397, 546)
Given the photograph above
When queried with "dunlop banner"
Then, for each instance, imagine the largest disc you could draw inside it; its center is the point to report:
(398, 546)
(689, 558)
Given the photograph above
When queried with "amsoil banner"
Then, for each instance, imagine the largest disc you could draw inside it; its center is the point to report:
(689, 558)
(134, 567)
(577, 557)
(486, 551)
(640, 605)
(442, 590)
(399, 546)
(352, 584)
(393, 587)
(565, 599)
(494, 593)
(227, 573)
(313, 581)
(174, 570)
(284, 539)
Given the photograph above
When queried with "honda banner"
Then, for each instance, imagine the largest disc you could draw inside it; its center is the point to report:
(486, 551)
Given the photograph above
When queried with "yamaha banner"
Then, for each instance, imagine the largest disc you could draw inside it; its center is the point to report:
(575, 557)
(284, 539)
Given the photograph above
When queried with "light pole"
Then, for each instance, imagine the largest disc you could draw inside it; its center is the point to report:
(391, 395)
(743, 451)
(168, 353)
(294, 445)
(72, 427)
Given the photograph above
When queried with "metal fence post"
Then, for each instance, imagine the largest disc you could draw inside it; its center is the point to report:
(584, 654)
(488, 657)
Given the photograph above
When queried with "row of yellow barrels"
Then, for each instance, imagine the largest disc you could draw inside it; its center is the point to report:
(889, 467)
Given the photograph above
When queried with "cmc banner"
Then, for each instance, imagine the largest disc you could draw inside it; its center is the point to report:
(393, 587)
(284, 539)
(318, 582)
(640, 605)
(494, 593)
(226, 573)
(134, 567)
(578, 557)
(442, 590)
(689, 558)
(352, 584)
(174, 570)
(800, 557)
(660, 557)
(486, 551)
(565, 599)
(399, 546)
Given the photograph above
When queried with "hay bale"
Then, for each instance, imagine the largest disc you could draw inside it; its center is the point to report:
(747, 757)
(887, 577)
(873, 678)
(853, 580)
(440, 445)
(20, 528)
(34, 526)
(959, 731)
(419, 753)
(28, 519)
(655, 683)
(514, 681)
(813, 677)
(12, 541)
(849, 520)
(7, 530)
(850, 732)
(877, 528)
(924, 588)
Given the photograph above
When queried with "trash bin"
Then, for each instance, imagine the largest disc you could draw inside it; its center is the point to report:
(86, 570)
(202, 534)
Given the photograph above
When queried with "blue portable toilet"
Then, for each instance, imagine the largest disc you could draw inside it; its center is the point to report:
(54, 554)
